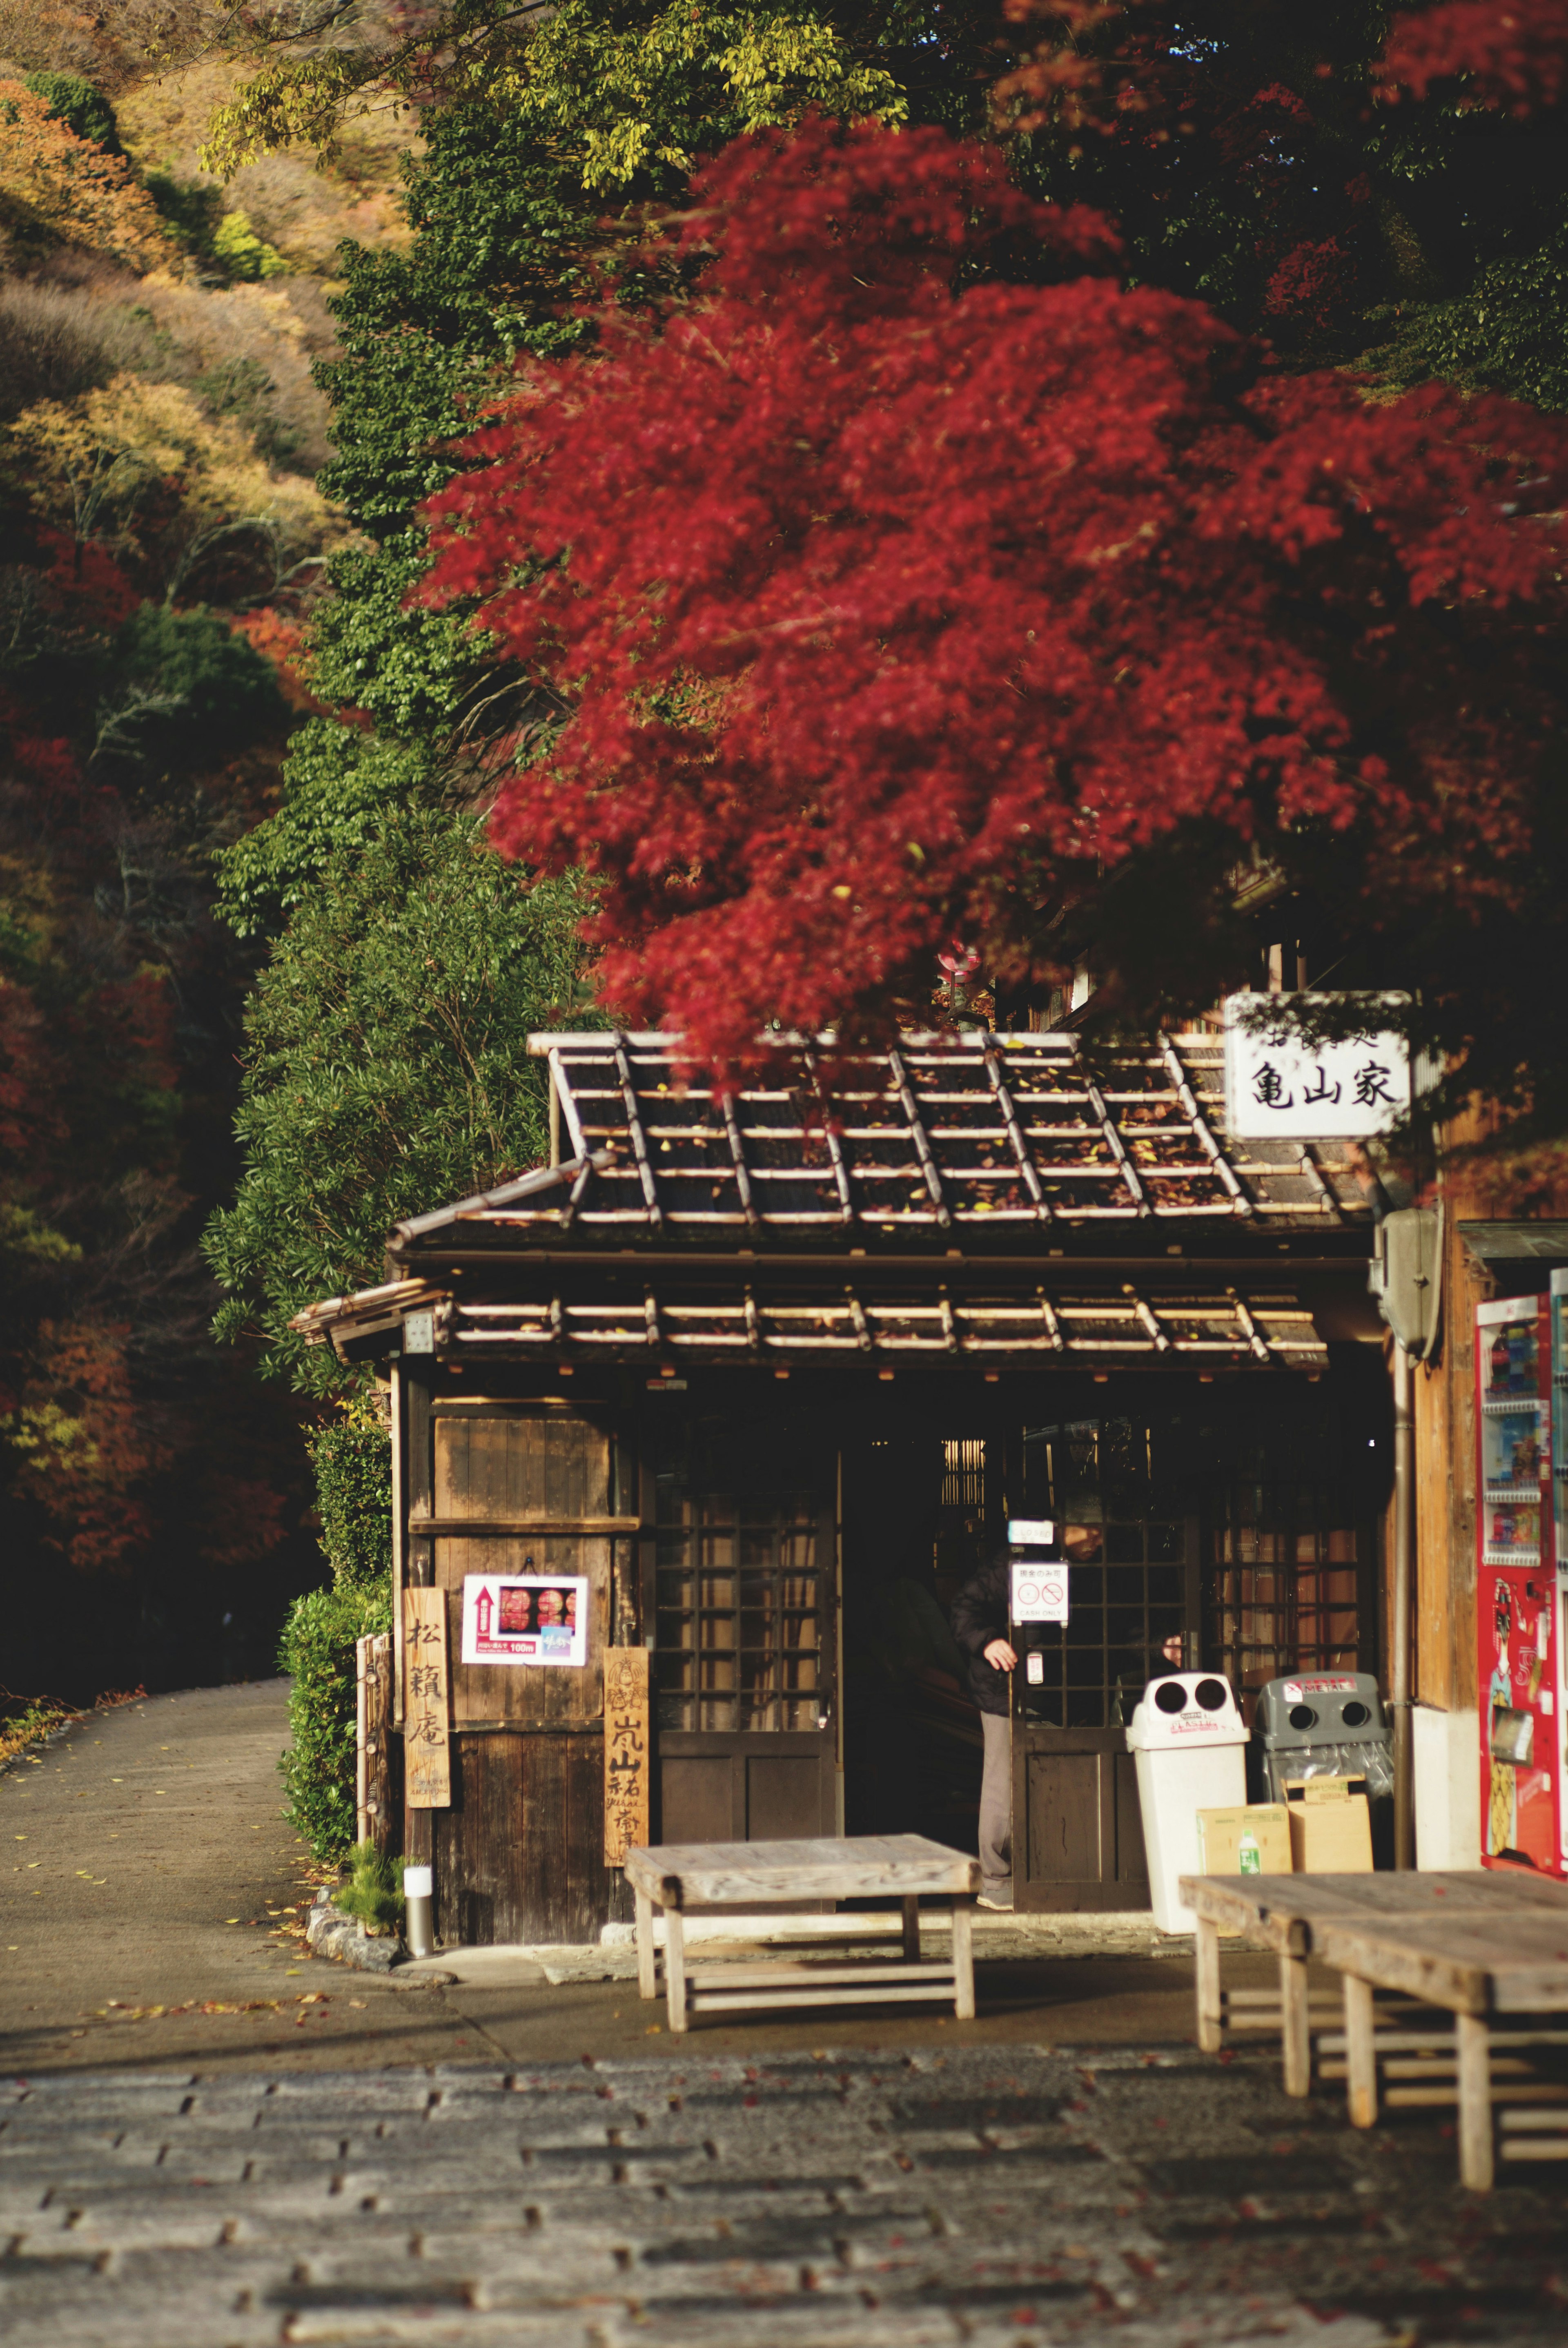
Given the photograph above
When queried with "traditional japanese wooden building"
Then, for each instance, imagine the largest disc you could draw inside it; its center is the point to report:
(769, 1374)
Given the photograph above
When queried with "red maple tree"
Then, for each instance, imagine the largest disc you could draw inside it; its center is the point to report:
(917, 575)
(1484, 52)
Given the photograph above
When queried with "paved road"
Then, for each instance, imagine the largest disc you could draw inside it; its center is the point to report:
(135, 1839)
(1151, 2198)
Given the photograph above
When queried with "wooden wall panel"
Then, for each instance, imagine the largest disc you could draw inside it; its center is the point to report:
(525, 1694)
(519, 1855)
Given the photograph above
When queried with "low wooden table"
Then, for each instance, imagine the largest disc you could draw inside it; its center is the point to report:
(679, 1877)
(1475, 1943)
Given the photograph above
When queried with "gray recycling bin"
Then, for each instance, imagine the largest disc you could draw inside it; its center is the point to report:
(1327, 1724)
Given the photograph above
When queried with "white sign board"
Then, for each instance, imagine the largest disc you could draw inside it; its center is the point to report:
(1039, 1593)
(525, 1618)
(1276, 1087)
(1030, 1532)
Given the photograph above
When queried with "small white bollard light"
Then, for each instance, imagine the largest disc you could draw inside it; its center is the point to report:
(419, 1910)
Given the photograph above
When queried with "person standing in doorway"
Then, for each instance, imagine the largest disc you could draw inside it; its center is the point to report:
(981, 1625)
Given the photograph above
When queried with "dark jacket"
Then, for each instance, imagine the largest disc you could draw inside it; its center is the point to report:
(979, 1615)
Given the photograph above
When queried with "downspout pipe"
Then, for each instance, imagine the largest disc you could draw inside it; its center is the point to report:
(1403, 1571)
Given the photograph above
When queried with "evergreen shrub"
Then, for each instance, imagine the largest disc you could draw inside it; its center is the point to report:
(353, 1461)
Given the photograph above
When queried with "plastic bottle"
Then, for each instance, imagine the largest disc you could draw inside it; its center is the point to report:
(1249, 1859)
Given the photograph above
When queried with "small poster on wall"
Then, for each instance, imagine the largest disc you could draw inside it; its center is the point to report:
(525, 1618)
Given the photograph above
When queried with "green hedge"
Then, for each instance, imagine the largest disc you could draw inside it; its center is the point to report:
(353, 1459)
(317, 1653)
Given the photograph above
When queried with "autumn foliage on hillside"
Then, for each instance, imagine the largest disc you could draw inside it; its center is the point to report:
(894, 602)
(1498, 53)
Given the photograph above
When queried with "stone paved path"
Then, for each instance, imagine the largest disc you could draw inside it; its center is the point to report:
(1152, 2199)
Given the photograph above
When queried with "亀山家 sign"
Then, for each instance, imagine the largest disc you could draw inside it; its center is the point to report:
(1278, 1086)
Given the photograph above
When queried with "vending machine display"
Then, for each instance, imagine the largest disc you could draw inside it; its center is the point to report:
(1522, 1354)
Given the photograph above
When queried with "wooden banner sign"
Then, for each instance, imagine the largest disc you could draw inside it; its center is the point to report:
(426, 1764)
(626, 1752)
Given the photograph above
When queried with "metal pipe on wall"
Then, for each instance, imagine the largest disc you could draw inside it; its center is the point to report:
(1403, 1563)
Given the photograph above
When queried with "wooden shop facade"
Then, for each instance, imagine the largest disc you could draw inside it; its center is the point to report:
(721, 1406)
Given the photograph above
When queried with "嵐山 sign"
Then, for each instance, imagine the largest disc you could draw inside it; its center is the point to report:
(1278, 1086)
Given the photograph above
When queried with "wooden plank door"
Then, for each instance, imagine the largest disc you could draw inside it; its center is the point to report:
(526, 1489)
(744, 1607)
(1077, 1839)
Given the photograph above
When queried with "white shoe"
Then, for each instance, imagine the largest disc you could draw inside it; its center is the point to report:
(1002, 1906)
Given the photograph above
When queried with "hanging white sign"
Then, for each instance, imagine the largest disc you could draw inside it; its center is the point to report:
(1039, 1593)
(1276, 1087)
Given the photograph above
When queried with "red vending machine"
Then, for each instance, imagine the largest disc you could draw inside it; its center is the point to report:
(1519, 1614)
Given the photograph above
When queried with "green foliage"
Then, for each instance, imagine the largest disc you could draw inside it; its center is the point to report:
(611, 89)
(237, 250)
(374, 1890)
(81, 106)
(341, 788)
(1509, 333)
(191, 208)
(317, 1654)
(386, 1069)
(352, 1455)
(188, 689)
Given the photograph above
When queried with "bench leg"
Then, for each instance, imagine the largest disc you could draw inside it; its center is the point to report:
(675, 1966)
(1360, 2052)
(1206, 1975)
(1473, 2046)
(647, 1970)
(1295, 2035)
(963, 1962)
(912, 1928)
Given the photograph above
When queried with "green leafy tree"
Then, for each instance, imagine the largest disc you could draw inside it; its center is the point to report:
(81, 106)
(386, 1069)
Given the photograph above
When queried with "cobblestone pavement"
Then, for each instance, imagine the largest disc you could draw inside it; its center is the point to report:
(929, 2198)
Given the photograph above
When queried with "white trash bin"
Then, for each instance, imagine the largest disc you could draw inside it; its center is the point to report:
(1192, 1756)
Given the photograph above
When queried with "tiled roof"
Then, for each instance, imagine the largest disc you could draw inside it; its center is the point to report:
(994, 1134)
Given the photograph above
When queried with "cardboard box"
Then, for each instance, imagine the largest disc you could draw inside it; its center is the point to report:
(1330, 1825)
(1220, 1833)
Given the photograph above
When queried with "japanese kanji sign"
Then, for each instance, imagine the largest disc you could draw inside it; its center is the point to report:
(626, 1742)
(426, 1767)
(1276, 1086)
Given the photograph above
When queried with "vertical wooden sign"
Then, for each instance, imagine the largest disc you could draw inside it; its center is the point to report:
(427, 1774)
(626, 1752)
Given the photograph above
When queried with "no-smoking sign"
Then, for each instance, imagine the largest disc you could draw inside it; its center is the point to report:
(1039, 1593)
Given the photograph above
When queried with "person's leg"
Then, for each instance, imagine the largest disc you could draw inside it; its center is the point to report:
(996, 1811)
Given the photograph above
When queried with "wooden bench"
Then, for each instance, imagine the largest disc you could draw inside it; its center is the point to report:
(1480, 1946)
(679, 1877)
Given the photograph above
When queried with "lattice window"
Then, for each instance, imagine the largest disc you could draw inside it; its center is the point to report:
(741, 1597)
(1287, 1585)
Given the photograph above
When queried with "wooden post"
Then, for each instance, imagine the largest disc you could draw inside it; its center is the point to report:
(1360, 2052)
(912, 1927)
(963, 1959)
(675, 1966)
(1206, 1979)
(379, 1821)
(1473, 2044)
(360, 1772)
(647, 1966)
(1295, 2033)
